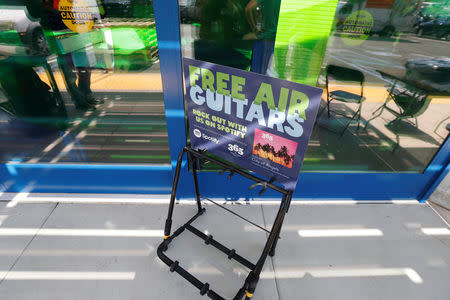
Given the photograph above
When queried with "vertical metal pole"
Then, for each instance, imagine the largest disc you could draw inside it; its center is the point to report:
(274, 245)
(253, 277)
(194, 173)
(273, 233)
(168, 225)
(359, 113)
(328, 94)
(53, 83)
(167, 22)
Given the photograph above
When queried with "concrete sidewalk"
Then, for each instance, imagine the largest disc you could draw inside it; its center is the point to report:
(104, 247)
(440, 199)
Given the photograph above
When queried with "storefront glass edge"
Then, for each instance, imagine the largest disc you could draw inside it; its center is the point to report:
(156, 180)
(73, 178)
(145, 180)
(437, 170)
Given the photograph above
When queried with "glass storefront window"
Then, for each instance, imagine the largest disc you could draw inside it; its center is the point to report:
(80, 83)
(384, 66)
(406, 106)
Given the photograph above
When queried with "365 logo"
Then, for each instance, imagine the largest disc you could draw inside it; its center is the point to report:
(197, 133)
(235, 149)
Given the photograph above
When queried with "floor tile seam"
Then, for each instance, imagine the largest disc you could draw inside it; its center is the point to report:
(28, 244)
(441, 217)
(270, 257)
(440, 205)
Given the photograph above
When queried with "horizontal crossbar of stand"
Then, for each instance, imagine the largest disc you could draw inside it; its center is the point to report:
(175, 266)
(230, 252)
(203, 287)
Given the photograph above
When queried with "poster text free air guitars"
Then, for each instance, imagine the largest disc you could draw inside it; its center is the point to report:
(258, 122)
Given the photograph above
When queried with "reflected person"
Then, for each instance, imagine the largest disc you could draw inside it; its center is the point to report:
(262, 17)
(75, 63)
(222, 27)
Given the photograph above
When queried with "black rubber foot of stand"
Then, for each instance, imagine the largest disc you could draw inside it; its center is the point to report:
(204, 289)
(231, 254)
(174, 266)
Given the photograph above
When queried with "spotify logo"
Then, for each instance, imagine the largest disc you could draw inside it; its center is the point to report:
(197, 133)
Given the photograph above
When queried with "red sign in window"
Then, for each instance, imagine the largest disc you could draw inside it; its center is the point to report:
(55, 4)
(380, 4)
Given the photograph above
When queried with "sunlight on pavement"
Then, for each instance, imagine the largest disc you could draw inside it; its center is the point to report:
(79, 232)
(339, 232)
(344, 272)
(436, 231)
(38, 275)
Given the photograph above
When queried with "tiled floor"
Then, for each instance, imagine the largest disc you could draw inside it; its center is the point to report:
(97, 250)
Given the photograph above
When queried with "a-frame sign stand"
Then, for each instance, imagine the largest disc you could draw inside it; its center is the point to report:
(249, 286)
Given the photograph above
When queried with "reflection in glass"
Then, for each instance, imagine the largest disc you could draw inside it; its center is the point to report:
(80, 82)
(407, 89)
(394, 119)
(235, 33)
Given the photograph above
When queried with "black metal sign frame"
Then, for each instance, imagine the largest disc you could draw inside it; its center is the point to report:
(250, 283)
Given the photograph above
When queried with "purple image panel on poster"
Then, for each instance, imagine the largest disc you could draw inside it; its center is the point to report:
(260, 123)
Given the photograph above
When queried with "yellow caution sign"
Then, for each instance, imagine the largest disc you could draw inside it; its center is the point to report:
(77, 15)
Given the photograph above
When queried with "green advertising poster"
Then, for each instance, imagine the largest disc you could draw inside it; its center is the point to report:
(302, 35)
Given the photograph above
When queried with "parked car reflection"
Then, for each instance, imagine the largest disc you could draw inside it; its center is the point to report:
(439, 28)
(431, 74)
(17, 29)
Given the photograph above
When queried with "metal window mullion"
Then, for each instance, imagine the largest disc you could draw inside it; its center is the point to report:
(169, 45)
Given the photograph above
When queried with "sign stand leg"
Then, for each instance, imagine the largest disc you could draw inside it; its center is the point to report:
(270, 244)
(194, 174)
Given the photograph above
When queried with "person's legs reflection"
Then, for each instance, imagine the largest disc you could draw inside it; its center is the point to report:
(81, 93)
(70, 77)
(84, 84)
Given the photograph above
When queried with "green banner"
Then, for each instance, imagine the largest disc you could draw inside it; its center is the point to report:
(302, 35)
